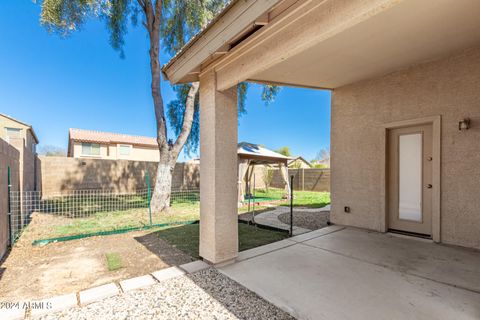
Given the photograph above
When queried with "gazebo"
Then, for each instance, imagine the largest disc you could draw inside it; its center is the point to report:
(249, 155)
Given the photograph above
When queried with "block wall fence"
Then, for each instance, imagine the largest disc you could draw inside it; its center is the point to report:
(60, 174)
(9, 160)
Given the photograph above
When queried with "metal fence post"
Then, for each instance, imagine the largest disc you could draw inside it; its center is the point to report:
(149, 196)
(9, 207)
(291, 205)
(303, 179)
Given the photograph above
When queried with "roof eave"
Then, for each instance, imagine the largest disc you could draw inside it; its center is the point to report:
(225, 27)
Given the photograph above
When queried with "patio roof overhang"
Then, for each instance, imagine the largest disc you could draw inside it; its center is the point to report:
(325, 43)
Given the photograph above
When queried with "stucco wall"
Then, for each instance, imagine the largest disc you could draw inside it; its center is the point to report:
(449, 87)
(7, 123)
(59, 174)
(9, 157)
(137, 153)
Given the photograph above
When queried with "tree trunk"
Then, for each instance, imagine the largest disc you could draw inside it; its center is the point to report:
(169, 151)
(163, 188)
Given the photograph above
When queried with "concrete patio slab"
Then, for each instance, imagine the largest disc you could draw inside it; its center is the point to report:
(456, 266)
(316, 233)
(247, 254)
(53, 304)
(137, 283)
(168, 273)
(98, 293)
(194, 266)
(310, 282)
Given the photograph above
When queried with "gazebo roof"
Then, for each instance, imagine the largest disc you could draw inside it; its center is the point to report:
(259, 154)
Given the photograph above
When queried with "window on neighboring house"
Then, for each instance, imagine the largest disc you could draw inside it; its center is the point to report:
(12, 133)
(90, 149)
(124, 149)
(34, 148)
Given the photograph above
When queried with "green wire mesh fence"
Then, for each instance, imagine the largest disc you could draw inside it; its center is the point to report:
(89, 211)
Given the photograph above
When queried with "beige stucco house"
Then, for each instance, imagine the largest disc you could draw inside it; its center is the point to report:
(18, 171)
(112, 146)
(405, 123)
(11, 128)
(22, 137)
(299, 163)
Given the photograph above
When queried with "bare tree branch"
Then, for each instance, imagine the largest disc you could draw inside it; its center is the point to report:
(141, 3)
(187, 119)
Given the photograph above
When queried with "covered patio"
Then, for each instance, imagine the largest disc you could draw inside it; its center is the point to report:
(348, 273)
(404, 77)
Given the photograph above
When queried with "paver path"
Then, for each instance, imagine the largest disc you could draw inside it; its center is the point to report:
(270, 218)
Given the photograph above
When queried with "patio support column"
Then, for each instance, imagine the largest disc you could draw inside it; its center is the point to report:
(218, 172)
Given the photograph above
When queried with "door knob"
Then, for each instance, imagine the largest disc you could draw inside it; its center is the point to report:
(429, 186)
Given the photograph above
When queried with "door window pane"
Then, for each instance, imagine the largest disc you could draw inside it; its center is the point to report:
(410, 177)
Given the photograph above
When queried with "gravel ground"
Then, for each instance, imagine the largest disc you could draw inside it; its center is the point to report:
(307, 218)
(203, 295)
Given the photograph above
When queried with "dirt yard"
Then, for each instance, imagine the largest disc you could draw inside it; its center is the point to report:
(65, 267)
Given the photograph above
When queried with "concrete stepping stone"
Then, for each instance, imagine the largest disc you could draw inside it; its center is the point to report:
(12, 312)
(194, 266)
(168, 273)
(53, 304)
(98, 293)
(137, 283)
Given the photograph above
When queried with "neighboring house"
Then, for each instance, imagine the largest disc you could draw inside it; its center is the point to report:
(299, 163)
(11, 128)
(112, 146)
(404, 113)
(18, 172)
(22, 137)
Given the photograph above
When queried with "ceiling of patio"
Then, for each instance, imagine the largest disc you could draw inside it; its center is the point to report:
(383, 43)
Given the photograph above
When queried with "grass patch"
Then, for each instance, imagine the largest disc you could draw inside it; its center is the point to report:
(57, 226)
(310, 199)
(186, 238)
(107, 221)
(184, 207)
(114, 262)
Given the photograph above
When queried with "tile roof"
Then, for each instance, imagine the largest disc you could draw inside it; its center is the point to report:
(109, 137)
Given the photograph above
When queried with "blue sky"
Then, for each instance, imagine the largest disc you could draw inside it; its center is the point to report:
(54, 84)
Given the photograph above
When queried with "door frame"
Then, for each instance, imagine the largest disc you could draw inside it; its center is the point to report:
(436, 122)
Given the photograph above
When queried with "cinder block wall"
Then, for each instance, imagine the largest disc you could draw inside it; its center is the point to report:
(305, 179)
(60, 174)
(9, 158)
(26, 165)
